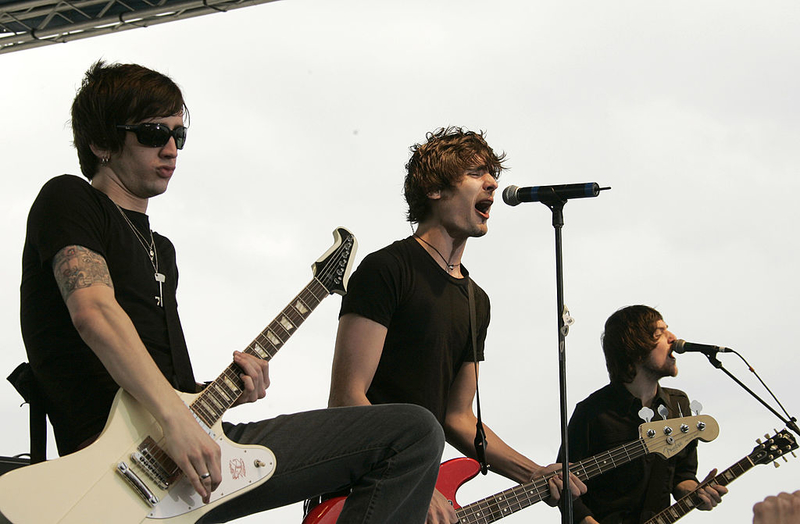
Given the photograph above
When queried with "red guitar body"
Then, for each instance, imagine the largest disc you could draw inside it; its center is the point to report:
(452, 475)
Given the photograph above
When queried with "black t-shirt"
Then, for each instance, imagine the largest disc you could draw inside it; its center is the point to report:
(77, 388)
(426, 312)
(609, 418)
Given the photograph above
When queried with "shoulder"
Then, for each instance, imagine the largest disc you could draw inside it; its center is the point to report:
(68, 183)
(600, 399)
(672, 392)
(677, 400)
(676, 396)
(67, 191)
(480, 293)
(395, 255)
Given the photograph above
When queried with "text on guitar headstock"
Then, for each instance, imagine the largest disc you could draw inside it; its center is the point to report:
(668, 437)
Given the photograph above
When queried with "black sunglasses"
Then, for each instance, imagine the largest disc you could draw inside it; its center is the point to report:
(156, 135)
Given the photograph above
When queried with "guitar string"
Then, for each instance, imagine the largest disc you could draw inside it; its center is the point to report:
(326, 272)
(517, 498)
(519, 492)
(230, 373)
(690, 501)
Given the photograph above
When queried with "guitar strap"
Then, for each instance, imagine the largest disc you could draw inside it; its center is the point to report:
(480, 434)
(24, 381)
(182, 367)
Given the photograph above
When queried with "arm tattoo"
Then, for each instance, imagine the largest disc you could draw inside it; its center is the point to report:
(76, 267)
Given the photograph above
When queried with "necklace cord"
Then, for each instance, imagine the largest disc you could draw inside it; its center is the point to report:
(447, 263)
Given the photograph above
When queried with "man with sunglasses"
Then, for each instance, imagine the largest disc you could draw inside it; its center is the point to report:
(99, 312)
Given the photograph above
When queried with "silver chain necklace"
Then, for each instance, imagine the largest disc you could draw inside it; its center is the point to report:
(152, 253)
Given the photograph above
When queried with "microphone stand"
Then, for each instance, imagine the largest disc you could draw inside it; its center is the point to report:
(791, 423)
(557, 207)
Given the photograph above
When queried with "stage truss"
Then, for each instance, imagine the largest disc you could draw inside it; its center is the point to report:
(33, 23)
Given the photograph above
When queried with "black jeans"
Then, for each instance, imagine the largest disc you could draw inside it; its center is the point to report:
(388, 455)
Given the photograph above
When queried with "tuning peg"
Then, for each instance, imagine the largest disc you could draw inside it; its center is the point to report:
(776, 465)
(646, 414)
(696, 407)
(663, 411)
(758, 441)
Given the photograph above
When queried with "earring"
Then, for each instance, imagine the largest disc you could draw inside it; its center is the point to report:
(104, 160)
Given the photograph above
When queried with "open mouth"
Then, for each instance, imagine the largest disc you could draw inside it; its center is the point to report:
(483, 207)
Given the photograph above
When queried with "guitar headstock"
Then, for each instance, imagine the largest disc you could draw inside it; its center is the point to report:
(778, 445)
(668, 437)
(332, 269)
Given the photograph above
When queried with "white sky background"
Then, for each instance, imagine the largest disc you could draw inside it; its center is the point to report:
(302, 114)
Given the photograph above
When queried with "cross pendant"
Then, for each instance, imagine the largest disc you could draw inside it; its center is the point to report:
(160, 278)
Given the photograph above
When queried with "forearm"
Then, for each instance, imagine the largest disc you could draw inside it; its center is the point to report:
(501, 457)
(111, 335)
(340, 397)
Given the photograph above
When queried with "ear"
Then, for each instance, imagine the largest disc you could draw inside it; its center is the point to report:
(99, 152)
(435, 195)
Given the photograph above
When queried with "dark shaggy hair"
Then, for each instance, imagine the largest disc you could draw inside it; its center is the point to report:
(118, 94)
(628, 339)
(440, 162)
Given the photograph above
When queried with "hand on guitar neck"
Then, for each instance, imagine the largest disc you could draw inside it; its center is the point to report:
(440, 510)
(710, 494)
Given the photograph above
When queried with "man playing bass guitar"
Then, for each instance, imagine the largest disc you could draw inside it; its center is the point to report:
(638, 351)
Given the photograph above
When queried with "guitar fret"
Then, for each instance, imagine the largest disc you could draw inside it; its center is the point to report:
(301, 308)
(286, 324)
(218, 396)
(206, 411)
(692, 500)
(223, 392)
(320, 292)
(209, 406)
(524, 495)
(261, 352)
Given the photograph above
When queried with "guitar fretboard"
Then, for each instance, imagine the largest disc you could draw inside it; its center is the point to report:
(692, 500)
(521, 496)
(221, 394)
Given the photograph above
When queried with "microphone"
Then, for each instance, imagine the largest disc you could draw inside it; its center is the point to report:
(681, 346)
(513, 195)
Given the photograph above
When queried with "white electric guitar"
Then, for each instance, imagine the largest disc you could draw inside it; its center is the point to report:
(125, 477)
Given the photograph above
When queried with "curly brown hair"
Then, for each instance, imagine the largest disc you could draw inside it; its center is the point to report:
(441, 161)
(628, 339)
(118, 94)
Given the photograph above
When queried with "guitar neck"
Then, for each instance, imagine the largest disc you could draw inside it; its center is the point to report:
(222, 393)
(522, 496)
(692, 500)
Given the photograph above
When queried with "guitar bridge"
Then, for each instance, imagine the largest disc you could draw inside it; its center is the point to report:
(141, 488)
